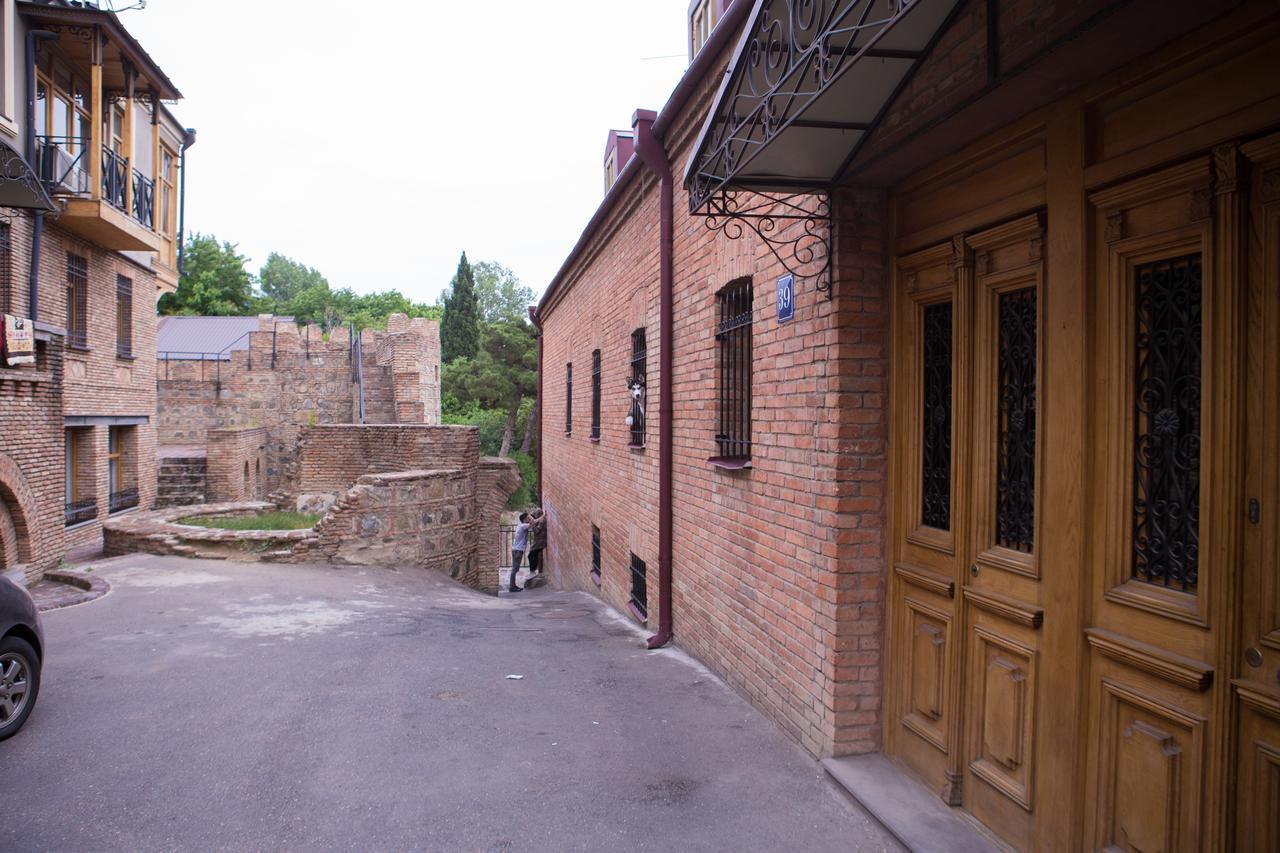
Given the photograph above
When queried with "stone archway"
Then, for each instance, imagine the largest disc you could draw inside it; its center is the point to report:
(19, 535)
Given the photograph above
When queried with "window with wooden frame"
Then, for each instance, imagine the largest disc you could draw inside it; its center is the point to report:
(702, 20)
(62, 110)
(568, 399)
(166, 180)
(595, 395)
(636, 387)
(77, 301)
(123, 491)
(78, 508)
(595, 554)
(639, 601)
(935, 486)
(611, 170)
(124, 317)
(734, 368)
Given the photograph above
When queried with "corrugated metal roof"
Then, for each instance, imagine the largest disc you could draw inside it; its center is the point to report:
(193, 336)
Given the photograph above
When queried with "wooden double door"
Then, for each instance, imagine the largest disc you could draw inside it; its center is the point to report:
(1126, 698)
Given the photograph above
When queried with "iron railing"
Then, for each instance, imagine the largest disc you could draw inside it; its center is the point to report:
(59, 169)
(122, 500)
(506, 541)
(144, 199)
(639, 602)
(115, 177)
(78, 512)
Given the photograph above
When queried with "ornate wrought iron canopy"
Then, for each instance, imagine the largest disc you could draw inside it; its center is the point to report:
(19, 186)
(808, 82)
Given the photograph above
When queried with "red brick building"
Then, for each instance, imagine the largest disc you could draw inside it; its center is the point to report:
(99, 142)
(918, 374)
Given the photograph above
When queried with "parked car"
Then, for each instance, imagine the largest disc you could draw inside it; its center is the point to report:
(21, 650)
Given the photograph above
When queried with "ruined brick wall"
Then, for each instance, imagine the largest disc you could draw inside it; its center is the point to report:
(31, 465)
(422, 496)
(332, 457)
(290, 378)
(778, 569)
(237, 464)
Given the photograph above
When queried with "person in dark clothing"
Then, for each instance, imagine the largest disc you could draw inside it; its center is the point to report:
(537, 540)
(519, 544)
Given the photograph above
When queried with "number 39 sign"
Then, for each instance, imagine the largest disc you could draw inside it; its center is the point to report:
(786, 298)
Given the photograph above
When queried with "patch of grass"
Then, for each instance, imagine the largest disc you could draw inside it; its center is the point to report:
(279, 520)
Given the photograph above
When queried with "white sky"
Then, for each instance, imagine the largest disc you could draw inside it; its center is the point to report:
(376, 141)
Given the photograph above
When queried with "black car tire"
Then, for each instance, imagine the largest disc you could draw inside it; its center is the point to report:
(17, 649)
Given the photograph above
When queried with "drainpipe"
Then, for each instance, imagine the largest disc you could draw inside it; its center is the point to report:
(652, 153)
(37, 226)
(188, 139)
(537, 403)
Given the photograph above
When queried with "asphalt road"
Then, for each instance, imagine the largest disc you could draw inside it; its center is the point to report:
(207, 705)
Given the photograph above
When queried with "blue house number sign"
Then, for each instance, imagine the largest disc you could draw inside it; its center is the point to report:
(786, 298)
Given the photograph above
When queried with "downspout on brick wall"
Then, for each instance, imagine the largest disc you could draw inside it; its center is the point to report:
(37, 225)
(650, 150)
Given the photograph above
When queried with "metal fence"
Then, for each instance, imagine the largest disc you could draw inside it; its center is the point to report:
(506, 538)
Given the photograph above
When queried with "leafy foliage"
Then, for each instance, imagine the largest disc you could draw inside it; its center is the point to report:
(460, 328)
(215, 281)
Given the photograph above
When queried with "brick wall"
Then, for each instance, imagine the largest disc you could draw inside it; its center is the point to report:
(237, 463)
(31, 472)
(290, 378)
(332, 457)
(96, 381)
(778, 569)
(406, 496)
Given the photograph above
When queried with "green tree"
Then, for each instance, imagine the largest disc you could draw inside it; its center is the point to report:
(499, 294)
(215, 282)
(500, 376)
(460, 327)
(282, 279)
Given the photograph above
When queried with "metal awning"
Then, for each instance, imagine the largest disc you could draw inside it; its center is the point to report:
(807, 84)
(19, 186)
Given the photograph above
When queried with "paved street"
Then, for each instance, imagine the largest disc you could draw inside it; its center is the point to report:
(209, 705)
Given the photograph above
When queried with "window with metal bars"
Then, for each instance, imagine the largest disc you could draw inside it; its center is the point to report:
(124, 317)
(733, 340)
(636, 387)
(595, 554)
(6, 280)
(936, 444)
(639, 602)
(77, 301)
(568, 399)
(595, 395)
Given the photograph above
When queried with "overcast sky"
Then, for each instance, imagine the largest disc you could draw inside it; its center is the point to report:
(376, 141)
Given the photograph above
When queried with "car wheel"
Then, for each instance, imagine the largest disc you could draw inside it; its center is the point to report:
(19, 684)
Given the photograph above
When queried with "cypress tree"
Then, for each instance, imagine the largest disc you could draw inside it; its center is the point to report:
(460, 326)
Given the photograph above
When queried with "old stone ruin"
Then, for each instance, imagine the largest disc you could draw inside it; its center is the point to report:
(345, 428)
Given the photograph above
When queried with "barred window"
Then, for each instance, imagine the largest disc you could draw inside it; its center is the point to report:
(639, 369)
(733, 340)
(595, 554)
(568, 399)
(595, 395)
(124, 317)
(6, 280)
(639, 589)
(77, 301)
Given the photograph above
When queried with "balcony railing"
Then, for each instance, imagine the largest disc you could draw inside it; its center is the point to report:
(144, 199)
(123, 500)
(78, 512)
(115, 172)
(60, 164)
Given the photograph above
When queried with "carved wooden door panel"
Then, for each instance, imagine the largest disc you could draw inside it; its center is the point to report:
(1256, 687)
(964, 638)
(1163, 551)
